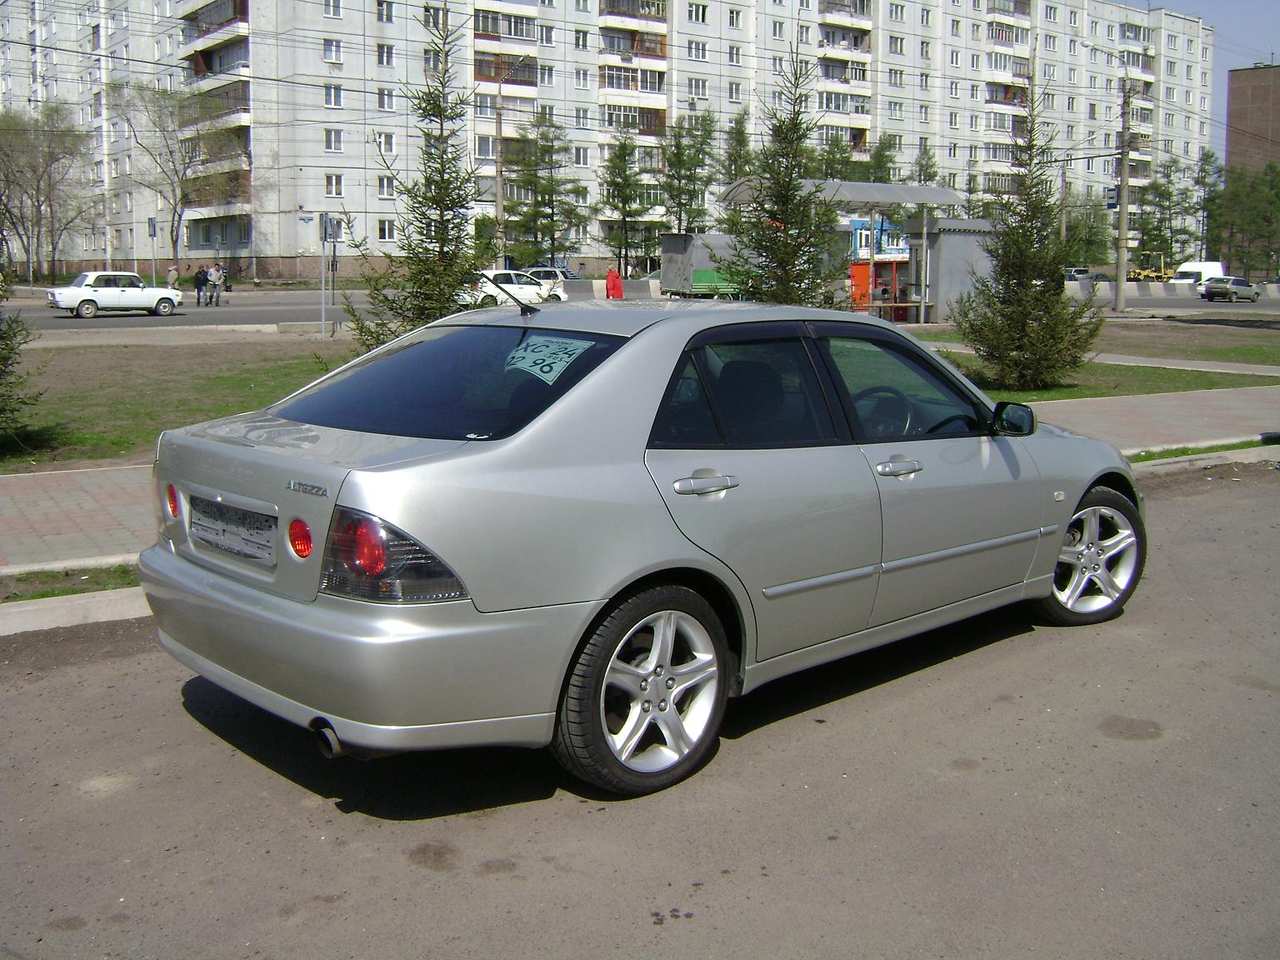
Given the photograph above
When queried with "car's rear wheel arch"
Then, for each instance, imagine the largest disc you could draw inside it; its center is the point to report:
(706, 585)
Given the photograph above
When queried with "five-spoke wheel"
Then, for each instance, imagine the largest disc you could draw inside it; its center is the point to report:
(1100, 562)
(644, 702)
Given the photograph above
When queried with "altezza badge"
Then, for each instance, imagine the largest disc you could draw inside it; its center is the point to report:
(297, 486)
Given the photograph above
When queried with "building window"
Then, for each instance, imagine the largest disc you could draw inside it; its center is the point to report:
(386, 98)
(582, 117)
(386, 11)
(332, 51)
(581, 39)
(484, 148)
(897, 45)
(387, 231)
(385, 142)
(779, 30)
(581, 78)
(697, 13)
(333, 94)
(546, 75)
(386, 187)
(333, 140)
(546, 35)
(582, 156)
(333, 184)
(697, 50)
(333, 8)
(898, 12)
(735, 55)
(386, 55)
(735, 91)
(735, 19)
(698, 87)
(802, 34)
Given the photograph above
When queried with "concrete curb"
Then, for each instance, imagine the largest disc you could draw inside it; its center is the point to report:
(1201, 461)
(84, 563)
(56, 612)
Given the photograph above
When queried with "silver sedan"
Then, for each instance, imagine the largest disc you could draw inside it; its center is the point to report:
(590, 527)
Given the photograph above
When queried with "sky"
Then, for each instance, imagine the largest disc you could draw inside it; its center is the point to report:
(1245, 32)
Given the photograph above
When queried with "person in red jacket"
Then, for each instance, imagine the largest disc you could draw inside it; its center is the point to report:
(613, 285)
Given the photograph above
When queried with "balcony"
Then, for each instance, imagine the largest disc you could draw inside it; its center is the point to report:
(1009, 8)
(626, 44)
(1005, 95)
(225, 106)
(499, 68)
(845, 12)
(636, 9)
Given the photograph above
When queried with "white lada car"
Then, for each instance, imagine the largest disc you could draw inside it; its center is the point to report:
(92, 292)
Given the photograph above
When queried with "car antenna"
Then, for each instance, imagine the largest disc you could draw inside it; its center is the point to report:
(526, 309)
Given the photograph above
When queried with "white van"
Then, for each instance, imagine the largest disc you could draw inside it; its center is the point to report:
(1198, 271)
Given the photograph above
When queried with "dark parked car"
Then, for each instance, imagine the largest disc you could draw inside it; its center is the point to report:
(1231, 289)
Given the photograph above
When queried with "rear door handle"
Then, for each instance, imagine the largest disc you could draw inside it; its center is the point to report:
(898, 468)
(701, 485)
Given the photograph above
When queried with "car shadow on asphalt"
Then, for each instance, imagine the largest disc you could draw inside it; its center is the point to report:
(834, 681)
(1243, 321)
(426, 785)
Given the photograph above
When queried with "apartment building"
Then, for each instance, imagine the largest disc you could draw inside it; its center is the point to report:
(1253, 116)
(316, 90)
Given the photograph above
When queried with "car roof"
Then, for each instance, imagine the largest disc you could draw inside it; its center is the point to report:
(624, 319)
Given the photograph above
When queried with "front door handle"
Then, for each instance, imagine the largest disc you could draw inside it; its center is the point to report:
(701, 485)
(898, 468)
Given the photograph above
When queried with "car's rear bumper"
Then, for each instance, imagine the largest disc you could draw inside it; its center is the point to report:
(384, 677)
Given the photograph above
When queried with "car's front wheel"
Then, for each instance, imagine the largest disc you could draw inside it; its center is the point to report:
(1100, 561)
(86, 309)
(642, 706)
(164, 307)
(488, 301)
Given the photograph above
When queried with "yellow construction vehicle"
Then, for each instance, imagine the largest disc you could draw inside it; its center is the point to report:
(1149, 267)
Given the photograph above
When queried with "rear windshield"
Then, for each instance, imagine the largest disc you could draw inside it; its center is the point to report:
(454, 383)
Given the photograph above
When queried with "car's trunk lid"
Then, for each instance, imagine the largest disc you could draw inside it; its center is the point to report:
(242, 481)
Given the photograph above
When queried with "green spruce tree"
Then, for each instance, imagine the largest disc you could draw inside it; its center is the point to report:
(784, 240)
(879, 166)
(15, 395)
(438, 257)
(688, 170)
(835, 161)
(739, 159)
(1019, 319)
(547, 207)
(925, 168)
(626, 205)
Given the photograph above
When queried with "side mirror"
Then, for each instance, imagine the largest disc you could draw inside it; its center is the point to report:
(1014, 419)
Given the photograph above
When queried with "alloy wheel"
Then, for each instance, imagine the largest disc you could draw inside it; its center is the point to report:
(659, 692)
(1098, 560)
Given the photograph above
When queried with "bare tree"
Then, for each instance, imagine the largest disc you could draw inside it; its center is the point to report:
(183, 157)
(45, 186)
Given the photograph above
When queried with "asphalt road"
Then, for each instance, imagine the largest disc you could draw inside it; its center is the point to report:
(272, 307)
(997, 789)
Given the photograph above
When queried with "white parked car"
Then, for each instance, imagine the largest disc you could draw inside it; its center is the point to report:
(485, 292)
(92, 292)
(552, 279)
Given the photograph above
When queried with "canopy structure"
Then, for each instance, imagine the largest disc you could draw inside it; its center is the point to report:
(855, 195)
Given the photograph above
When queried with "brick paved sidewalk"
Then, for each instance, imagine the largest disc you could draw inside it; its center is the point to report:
(98, 514)
(90, 517)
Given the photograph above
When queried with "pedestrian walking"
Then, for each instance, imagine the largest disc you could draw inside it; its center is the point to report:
(216, 279)
(171, 278)
(613, 285)
(201, 280)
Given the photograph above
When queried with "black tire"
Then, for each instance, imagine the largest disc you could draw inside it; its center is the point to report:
(86, 309)
(488, 300)
(164, 307)
(580, 743)
(1231, 297)
(1052, 608)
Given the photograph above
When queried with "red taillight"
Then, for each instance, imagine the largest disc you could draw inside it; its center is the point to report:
(369, 553)
(300, 538)
(172, 495)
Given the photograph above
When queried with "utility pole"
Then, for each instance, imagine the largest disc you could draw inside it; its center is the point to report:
(1062, 210)
(1122, 231)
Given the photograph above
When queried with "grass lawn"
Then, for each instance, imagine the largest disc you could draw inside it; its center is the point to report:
(61, 583)
(1170, 339)
(1110, 380)
(112, 402)
(1144, 456)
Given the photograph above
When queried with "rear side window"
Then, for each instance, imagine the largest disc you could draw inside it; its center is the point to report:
(748, 394)
(454, 383)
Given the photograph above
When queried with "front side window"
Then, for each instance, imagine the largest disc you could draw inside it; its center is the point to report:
(892, 395)
(453, 382)
(759, 394)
